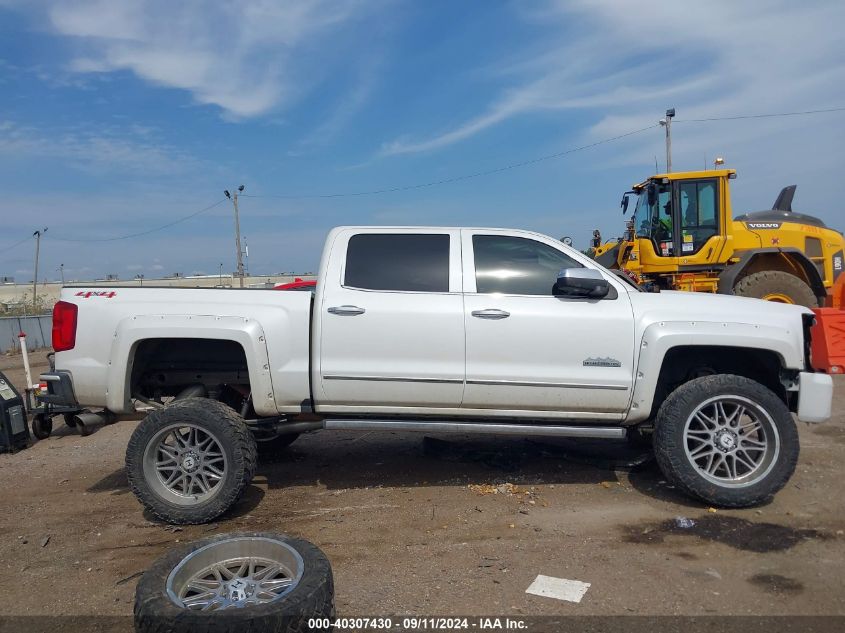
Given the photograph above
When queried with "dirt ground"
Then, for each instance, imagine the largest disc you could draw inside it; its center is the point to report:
(406, 534)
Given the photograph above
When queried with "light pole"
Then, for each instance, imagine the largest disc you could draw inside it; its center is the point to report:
(37, 236)
(62, 273)
(667, 123)
(221, 274)
(234, 199)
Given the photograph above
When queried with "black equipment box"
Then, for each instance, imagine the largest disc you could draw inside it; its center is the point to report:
(14, 432)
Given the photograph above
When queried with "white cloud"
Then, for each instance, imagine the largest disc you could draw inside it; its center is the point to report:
(245, 57)
(102, 149)
(627, 64)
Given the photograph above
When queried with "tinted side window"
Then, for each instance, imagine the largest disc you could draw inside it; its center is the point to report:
(517, 265)
(398, 261)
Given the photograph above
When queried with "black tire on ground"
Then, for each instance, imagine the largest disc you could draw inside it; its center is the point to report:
(271, 450)
(776, 282)
(68, 418)
(670, 443)
(313, 597)
(234, 438)
(42, 426)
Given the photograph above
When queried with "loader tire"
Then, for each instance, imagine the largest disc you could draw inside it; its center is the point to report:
(191, 461)
(776, 285)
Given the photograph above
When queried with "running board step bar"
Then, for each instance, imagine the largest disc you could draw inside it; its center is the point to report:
(524, 430)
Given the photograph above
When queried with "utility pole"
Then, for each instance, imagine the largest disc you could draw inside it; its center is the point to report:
(667, 123)
(37, 236)
(234, 199)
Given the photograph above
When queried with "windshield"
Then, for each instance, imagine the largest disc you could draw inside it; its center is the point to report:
(654, 221)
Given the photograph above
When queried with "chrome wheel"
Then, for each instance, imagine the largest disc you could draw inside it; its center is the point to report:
(185, 464)
(235, 573)
(731, 441)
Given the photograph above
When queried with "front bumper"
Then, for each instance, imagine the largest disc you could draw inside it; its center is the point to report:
(59, 389)
(815, 397)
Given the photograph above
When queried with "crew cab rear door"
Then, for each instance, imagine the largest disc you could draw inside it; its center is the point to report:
(529, 350)
(391, 329)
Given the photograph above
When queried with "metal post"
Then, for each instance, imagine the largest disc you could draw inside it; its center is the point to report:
(667, 123)
(62, 272)
(238, 252)
(37, 236)
(246, 255)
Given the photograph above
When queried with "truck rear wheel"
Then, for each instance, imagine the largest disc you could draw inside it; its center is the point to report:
(727, 440)
(776, 285)
(191, 461)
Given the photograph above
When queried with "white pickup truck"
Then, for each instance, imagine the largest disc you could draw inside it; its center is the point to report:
(440, 330)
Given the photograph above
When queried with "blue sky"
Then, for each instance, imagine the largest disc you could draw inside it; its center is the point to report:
(118, 117)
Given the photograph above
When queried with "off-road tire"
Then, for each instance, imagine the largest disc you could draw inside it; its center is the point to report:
(767, 282)
(236, 441)
(42, 426)
(313, 597)
(669, 440)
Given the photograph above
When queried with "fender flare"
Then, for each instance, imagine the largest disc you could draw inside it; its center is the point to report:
(728, 277)
(131, 331)
(659, 338)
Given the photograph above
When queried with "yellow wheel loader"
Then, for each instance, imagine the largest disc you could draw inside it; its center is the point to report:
(682, 236)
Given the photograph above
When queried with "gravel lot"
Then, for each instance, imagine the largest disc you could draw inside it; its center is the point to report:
(411, 527)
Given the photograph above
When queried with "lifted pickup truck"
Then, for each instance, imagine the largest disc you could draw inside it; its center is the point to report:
(440, 330)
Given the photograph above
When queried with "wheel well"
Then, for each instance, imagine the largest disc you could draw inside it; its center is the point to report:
(776, 261)
(787, 260)
(164, 367)
(684, 363)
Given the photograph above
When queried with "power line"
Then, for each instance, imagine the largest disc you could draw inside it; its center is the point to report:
(445, 181)
(147, 232)
(759, 116)
(16, 244)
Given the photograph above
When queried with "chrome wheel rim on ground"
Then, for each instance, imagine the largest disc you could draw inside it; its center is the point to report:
(235, 573)
(731, 441)
(185, 464)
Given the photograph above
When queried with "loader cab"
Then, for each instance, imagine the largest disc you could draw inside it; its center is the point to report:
(681, 220)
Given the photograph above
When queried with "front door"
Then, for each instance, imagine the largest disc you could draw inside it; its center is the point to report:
(530, 350)
(391, 328)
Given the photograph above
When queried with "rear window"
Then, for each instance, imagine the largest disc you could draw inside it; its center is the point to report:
(398, 261)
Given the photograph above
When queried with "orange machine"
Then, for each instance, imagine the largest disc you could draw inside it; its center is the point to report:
(828, 348)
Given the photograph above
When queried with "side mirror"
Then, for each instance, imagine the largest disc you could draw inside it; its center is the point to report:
(581, 282)
(651, 192)
(625, 201)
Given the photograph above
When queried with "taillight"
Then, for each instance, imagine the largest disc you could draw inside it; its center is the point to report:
(64, 326)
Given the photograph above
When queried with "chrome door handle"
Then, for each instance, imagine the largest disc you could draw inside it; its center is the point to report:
(491, 313)
(346, 310)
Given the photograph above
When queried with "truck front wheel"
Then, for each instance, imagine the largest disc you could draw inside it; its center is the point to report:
(190, 462)
(727, 440)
